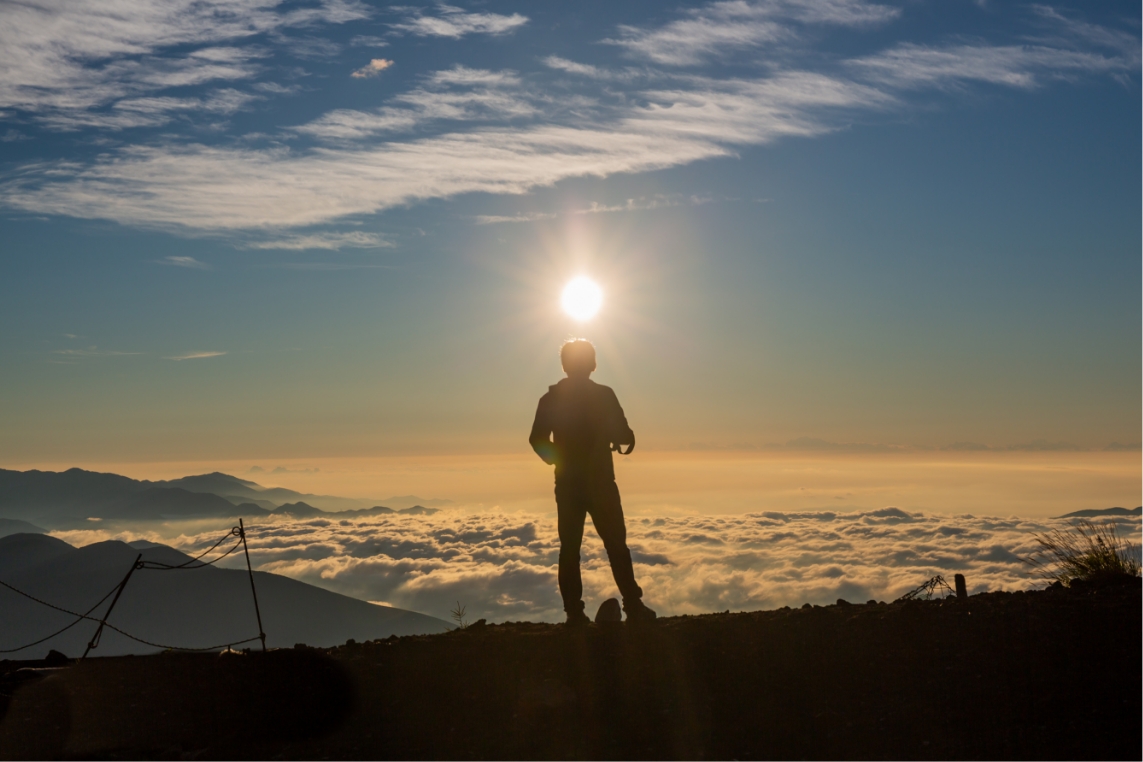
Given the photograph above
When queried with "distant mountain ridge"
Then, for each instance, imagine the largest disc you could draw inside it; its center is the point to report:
(1096, 512)
(71, 498)
(301, 510)
(186, 607)
(15, 526)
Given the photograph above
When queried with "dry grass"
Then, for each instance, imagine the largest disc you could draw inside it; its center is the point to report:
(1085, 551)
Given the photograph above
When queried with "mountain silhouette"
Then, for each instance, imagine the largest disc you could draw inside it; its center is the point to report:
(1097, 512)
(243, 491)
(70, 498)
(15, 526)
(302, 510)
(184, 607)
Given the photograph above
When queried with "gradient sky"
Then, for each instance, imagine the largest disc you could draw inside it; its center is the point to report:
(258, 230)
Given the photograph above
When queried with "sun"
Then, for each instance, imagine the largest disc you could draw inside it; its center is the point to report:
(581, 298)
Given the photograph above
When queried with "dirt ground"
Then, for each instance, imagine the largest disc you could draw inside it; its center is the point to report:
(1042, 675)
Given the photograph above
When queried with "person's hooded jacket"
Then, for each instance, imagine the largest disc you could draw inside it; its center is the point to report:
(578, 423)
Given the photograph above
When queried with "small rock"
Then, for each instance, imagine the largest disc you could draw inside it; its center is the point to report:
(807, 605)
(609, 612)
(55, 658)
(842, 602)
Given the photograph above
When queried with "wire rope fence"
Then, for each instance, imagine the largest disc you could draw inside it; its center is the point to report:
(139, 564)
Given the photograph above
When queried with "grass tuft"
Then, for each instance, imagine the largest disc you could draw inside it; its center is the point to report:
(1085, 551)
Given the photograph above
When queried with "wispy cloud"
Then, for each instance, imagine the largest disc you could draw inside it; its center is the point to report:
(720, 28)
(327, 241)
(914, 66)
(630, 205)
(233, 188)
(188, 262)
(454, 22)
(492, 219)
(457, 94)
(491, 132)
(373, 68)
(463, 75)
(598, 72)
(92, 351)
(64, 58)
(563, 64)
(368, 41)
(195, 355)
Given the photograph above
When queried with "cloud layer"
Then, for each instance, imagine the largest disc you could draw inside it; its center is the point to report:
(503, 566)
(464, 130)
(64, 61)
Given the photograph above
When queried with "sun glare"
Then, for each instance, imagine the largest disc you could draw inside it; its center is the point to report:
(581, 298)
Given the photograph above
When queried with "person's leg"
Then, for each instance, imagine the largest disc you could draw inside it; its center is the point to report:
(607, 516)
(571, 507)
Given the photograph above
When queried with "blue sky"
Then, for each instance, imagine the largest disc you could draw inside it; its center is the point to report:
(261, 229)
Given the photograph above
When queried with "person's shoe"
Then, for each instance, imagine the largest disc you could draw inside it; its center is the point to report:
(637, 611)
(577, 619)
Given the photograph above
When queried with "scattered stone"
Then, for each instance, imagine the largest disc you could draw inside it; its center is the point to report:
(842, 602)
(609, 612)
(55, 659)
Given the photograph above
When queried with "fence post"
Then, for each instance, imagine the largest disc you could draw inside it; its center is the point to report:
(94, 642)
(961, 588)
(250, 571)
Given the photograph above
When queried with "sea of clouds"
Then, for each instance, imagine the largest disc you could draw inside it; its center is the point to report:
(502, 566)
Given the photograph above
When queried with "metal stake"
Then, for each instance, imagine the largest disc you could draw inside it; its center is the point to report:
(94, 642)
(257, 613)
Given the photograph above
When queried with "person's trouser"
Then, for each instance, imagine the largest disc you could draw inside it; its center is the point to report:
(575, 500)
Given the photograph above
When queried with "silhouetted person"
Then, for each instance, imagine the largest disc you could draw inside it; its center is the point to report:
(578, 424)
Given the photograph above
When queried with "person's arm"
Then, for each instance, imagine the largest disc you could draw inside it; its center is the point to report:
(621, 433)
(541, 436)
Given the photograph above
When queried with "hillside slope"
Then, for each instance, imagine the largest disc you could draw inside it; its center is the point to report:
(192, 608)
(1041, 675)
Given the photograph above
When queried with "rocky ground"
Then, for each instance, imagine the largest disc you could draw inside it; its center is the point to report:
(1053, 674)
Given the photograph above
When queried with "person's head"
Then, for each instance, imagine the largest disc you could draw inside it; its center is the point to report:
(577, 356)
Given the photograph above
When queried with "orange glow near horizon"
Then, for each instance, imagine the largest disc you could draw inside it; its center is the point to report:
(692, 483)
